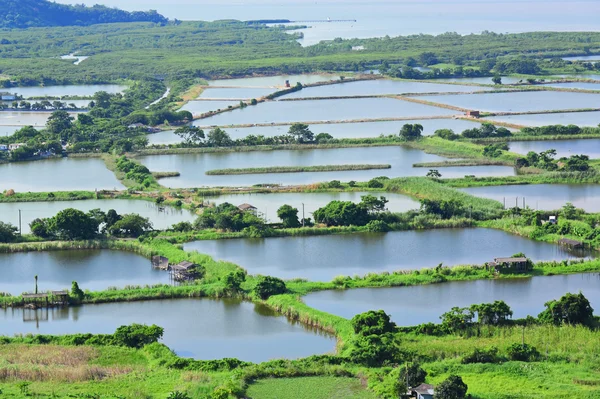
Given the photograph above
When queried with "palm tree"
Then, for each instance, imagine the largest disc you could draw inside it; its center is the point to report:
(36, 287)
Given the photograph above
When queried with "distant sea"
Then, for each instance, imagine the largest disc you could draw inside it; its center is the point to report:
(378, 18)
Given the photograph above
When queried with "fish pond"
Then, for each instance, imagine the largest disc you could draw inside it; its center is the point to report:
(273, 81)
(409, 306)
(64, 174)
(543, 196)
(67, 90)
(161, 217)
(325, 257)
(92, 269)
(200, 328)
(237, 93)
(323, 110)
(192, 167)
(201, 107)
(564, 148)
(590, 118)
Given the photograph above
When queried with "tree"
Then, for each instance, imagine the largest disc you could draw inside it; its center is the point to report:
(411, 131)
(59, 122)
(7, 232)
(301, 133)
(233, 280)
(191, 135)
(76, 292)
(268, 286)
(457, 319)
(570, 309)
(289, 216)
(218, 137)
(452, 387)
(130, 225)
(413, 374)
(374, 183)
(373, 204)
(444, 208)
(446, 134)
(522, 352)
(342, 213)
(137, 335)
(497, 80)
(72, 224)
(568, 211)
(375, 350)
(39, 228)
(434, 174)
(373, 322)
(494, 314)
(323, 138)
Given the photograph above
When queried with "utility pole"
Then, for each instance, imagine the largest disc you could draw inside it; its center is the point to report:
(303, 214)
(20, 229)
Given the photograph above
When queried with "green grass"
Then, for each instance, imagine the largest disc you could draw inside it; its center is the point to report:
(309, 388)
(295, 169)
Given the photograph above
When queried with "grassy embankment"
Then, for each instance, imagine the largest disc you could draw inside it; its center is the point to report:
(296, 169)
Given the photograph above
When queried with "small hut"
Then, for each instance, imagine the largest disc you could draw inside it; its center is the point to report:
(248, 208)
(60, 298)
(35, 300)
(183, 271)
(567, 242)
(473, 114)
(518, 265)
(160, 262)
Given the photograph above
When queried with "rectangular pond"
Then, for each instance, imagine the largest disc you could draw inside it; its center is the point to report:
(22, 118)
(200, 328)
(201, 107)
(268, 204)
(325, 257)
(381, 86)
(484, 80)
(236, 93)
(324, 110)
(8, 130)
(575, 85)
(64, 174)
(192, 167)
(92, 269)
(520, 101)
(591, 118)
(409, 306)
(273, 81)
(564, 148)
(67, 90)
(543, 196)
(337, 130)
(161, 217)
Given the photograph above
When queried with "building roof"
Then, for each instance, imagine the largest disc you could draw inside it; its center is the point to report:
(60, 293)
(568, 241)
(424, 389)
(510, 260)
(34, 296)
(185, 265)
(246, 207)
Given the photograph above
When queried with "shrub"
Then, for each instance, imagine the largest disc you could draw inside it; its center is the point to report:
(451, 388)
(522, 352)
(268, 286)
(482, 356)
(374, 183)
(377, 226)
(137, 335)
(372, 322)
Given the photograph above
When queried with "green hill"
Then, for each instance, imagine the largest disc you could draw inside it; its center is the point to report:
(33, 13)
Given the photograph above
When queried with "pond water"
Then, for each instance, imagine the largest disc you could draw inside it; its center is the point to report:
(236, 93)
(21, 118)
(63, 174)
(337, 130)
(563, 118)
(93, 269)
(380, 17)
(192, 167)
(161, 219)
(575, 85)
(67, 90)
(583, 58)
(543, 196)
(199, 328)
(381, 86)
(564, 148)
(322, 258)
(273, 81)
(200, 107)
(409, 306)
(521, 101)
(484, 80)
(268, 204)
(324, 110)
(7, 130)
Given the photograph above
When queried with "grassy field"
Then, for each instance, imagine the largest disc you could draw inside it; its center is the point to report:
(309, 388)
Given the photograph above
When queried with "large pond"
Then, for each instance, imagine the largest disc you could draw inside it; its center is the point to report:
(381, 86)
(562, 118)
(322, 258)
(192, 167)
(583, 58)
(201, 107)
(161, 217)
(409, 306)
(564, 148)
(236, 93)
(323, 110)
(520, 101)
(268, 204)
(92, 269)
(37, 119)
(484, 80)
(68, 90)
(575, 85)
(199, 328)
(273, 81)
(337, 130)
(57, 175)
(8, 130)
(543, 196)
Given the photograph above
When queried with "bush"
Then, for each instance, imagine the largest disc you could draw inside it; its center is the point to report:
(482, 356)
(377, 226)
(268, 286)
(522, 353)
(451, 388)
(372, 322)
(374, 183)
(137, 335)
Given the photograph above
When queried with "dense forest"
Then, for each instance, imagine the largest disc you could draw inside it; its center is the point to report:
(32, 13)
